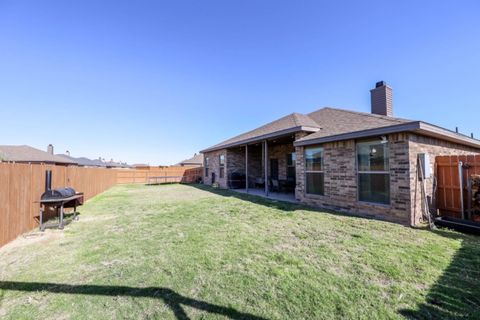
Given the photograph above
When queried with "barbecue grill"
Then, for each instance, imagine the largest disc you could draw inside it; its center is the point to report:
(237, 180)
(58, 199)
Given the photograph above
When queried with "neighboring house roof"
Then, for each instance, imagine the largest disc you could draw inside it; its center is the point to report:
(332, 124)
(196, 160)
(82, 161)
(113, 164)
(29, 154)
(135, 165)
(292, 123)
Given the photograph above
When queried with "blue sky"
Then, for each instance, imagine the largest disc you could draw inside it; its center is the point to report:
(156, 81)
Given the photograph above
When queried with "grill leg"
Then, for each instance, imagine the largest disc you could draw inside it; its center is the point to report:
(42, 227)
(75, 217)
(60, 225)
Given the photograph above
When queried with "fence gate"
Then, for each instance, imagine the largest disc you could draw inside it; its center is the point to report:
(448, 196)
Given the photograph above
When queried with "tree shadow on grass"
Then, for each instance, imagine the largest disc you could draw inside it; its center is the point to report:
(456, 294)
(172, 299)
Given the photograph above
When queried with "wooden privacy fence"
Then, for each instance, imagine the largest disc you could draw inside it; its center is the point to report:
(160, 175)
(449, 200)
(21, 185)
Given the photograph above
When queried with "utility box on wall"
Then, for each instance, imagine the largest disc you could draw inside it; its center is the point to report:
(426, 168)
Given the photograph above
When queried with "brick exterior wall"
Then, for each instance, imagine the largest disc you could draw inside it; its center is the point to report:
(434, 147)
(280, 152)
(340, 173)
(236, 160)
(341, 191)
(255, 163)
(214, 167)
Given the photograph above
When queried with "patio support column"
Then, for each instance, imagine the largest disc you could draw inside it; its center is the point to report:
(246, 167)
(265, 146)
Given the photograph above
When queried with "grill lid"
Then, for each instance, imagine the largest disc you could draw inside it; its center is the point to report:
(59, 193)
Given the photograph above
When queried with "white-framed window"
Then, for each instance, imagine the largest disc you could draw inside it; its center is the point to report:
(221, 161)
(206, 166)
(314, 175)
(373, 171)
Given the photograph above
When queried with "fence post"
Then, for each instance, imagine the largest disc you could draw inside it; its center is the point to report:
(460, 179)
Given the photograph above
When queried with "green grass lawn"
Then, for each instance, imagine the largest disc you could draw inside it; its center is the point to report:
(179, 252)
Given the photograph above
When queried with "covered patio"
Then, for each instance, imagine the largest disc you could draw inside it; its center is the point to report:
(264, 168)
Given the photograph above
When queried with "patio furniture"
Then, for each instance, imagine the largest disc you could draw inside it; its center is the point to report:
(259, 183)
(289, 184)
(275, 185)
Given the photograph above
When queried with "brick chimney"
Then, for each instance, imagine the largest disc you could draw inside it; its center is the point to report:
(382, 99)
(50, 149)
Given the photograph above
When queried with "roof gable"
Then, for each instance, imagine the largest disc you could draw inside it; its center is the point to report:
(291, 122)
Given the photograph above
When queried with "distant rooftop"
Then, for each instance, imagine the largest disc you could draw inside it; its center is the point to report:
(83, 161)
(27, 154)
(196, 160)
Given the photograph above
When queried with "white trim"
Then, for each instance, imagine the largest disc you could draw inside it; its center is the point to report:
(411, 126)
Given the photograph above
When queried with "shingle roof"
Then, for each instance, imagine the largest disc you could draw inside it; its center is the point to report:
(197, 159)
(135, 165)
(332, 124)
(113, 164)
(83, 161)
(339, 124)
(333, 121)
(293, 122)
(29, 154)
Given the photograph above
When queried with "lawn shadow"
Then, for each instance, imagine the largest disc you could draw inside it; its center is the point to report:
(257, 199)
(456, 294)
(285, 205)
(172, 299)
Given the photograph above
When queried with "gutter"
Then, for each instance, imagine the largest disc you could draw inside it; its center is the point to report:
(416, 126)
(410, 126)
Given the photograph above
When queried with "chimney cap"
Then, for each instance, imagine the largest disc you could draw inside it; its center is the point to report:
(380, 84)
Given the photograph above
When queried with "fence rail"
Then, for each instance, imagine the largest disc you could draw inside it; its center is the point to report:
(21, 186)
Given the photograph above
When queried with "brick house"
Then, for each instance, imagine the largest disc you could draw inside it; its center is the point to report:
(362, 163)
